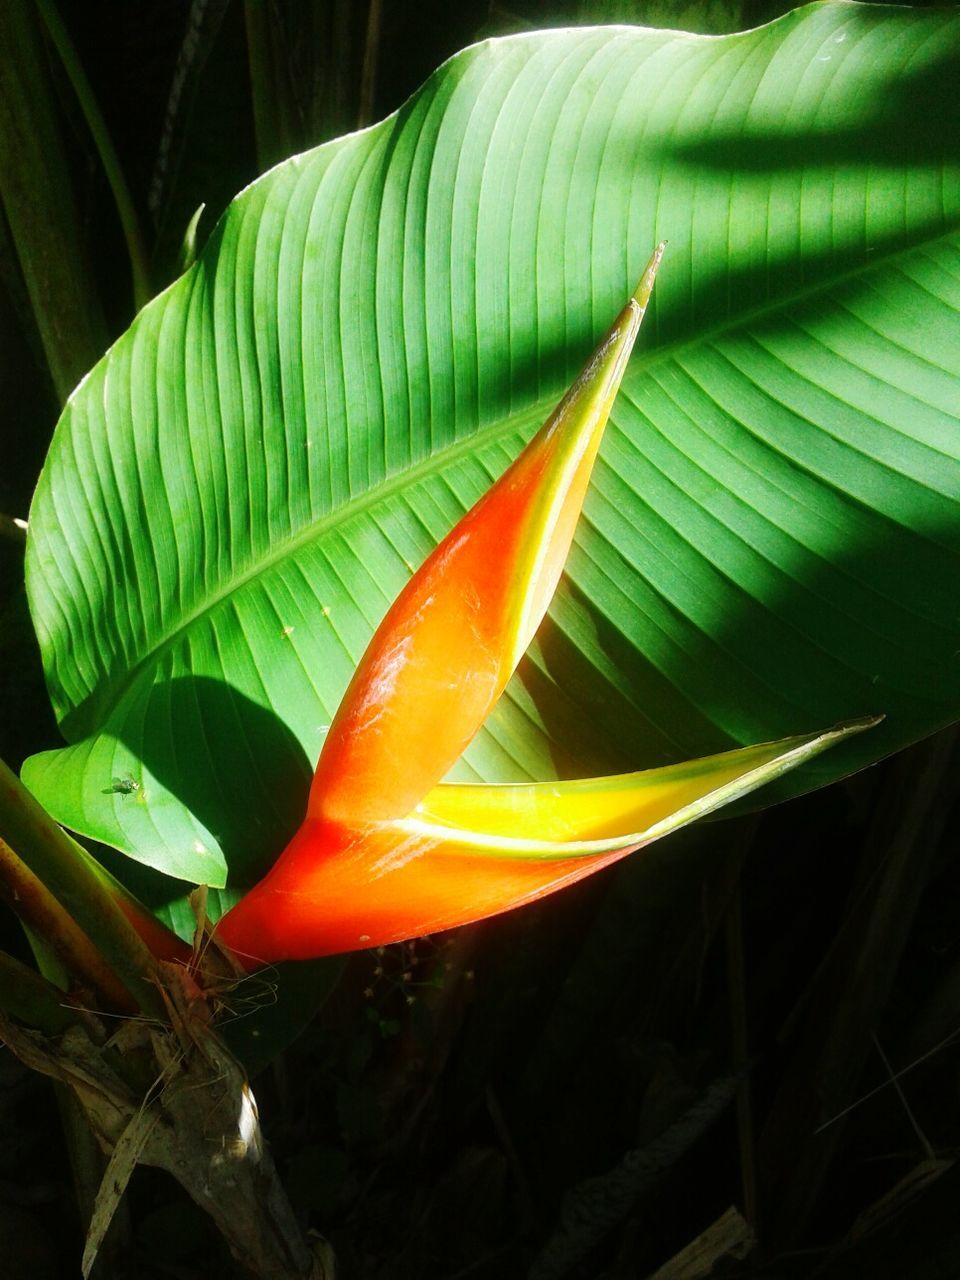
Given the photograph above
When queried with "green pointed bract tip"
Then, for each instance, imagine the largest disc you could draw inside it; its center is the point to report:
(591, 816)
(641, 294)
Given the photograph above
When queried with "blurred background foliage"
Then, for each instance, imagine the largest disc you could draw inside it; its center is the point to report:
(734, 1056)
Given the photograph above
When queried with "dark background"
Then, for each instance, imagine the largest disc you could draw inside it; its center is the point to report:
(581, 1088)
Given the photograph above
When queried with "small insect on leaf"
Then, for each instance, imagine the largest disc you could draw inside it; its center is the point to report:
(125, 786)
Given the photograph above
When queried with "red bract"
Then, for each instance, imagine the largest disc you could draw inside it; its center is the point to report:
(386, 853)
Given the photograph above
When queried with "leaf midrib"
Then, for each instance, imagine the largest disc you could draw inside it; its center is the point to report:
(101, 709)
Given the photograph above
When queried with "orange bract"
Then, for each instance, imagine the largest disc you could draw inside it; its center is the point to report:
(447, 647)
(384, 852)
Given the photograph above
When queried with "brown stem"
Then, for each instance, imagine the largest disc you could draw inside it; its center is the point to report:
(199, 1123)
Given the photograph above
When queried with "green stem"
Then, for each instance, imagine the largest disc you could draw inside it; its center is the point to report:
(274, 110)
(38, 201)
(36, 906)
(371, 57)
(262, 94)
(136, 247)
(33, 1000)
(51, 855)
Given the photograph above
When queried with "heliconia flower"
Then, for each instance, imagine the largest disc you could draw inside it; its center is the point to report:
(388, 852)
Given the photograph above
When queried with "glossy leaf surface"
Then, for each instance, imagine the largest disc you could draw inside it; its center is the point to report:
(770, 544)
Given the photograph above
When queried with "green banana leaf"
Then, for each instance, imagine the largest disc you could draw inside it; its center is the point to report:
(237, 491)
